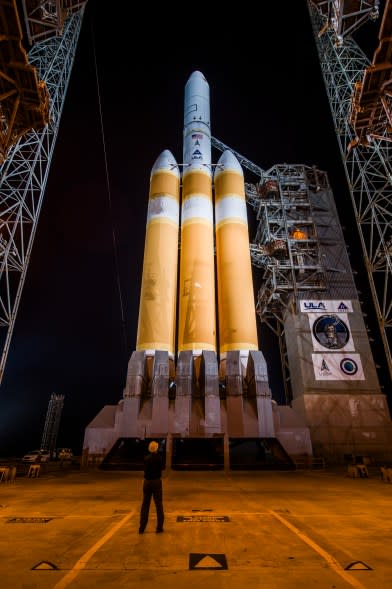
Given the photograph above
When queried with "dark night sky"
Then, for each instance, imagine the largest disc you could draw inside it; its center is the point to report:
(268, 102)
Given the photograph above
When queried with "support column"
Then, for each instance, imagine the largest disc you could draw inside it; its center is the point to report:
(160, 394)
(258, 386)
(134, 388)
(234, 401)
(209, 385)
(184, 387)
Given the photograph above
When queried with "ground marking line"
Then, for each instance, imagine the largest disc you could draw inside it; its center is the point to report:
(332, 562)
(81, 563)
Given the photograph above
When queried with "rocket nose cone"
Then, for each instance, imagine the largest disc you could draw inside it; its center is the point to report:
(166, 161)
(197, 80)
(197, 76)
(228, 161)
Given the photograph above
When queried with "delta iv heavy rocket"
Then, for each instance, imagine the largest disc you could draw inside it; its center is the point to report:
(196, 289)
(193, 310)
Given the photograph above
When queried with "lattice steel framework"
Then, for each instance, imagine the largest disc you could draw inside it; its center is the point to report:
(52, 423)
(286, 245)
(368, 168)
(293, 205)
(23, 176)
(291, 265)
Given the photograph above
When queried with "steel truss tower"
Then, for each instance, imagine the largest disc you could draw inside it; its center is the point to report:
(24, 174)
(52, 423)
(368, 164)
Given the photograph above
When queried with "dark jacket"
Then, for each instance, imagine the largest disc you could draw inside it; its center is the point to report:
(152, 466)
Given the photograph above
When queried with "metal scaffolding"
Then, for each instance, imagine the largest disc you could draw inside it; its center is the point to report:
(299, 244)
(24, 174)
(52, 423)
(286, 244)
(356, 87)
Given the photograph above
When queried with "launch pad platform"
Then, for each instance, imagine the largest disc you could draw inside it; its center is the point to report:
(265, 529)
(216, 453)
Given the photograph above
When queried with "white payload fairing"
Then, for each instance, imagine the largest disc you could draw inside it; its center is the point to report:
(203, 292)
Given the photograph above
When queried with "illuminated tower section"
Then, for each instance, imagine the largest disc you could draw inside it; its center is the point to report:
(157, 310)
(196, 320)
(236, 306)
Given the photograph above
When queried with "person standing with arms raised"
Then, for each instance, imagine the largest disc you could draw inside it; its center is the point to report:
(152, 488)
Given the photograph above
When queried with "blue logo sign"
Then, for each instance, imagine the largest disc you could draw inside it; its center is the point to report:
(319, 305)
(348, 366)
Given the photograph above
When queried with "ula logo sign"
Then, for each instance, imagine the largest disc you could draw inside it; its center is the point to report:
(326, 306)
(314, 306)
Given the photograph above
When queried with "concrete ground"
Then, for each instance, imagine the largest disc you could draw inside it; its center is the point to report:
(302, 529)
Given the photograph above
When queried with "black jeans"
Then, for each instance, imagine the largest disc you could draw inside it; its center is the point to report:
(152, 489)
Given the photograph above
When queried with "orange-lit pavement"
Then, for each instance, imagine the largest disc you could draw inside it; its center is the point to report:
(222, 530)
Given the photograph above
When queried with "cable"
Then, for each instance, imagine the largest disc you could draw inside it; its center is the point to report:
(110, 202)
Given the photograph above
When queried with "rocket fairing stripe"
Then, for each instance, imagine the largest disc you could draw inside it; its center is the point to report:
(196, 182)
(162, 221)
(157, 311)
(197, 207)
(165, 208)
(198, 347)
(232, 177)
(164, 182)
(152, 346)
(232, 209)
(238, 346)
(194, 127)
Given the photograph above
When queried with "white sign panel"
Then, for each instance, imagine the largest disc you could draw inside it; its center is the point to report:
(330, 332)
(337, 367)
(311, 306)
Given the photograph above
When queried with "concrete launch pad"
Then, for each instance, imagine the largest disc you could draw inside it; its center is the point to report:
(270, 530)
(216, 453)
